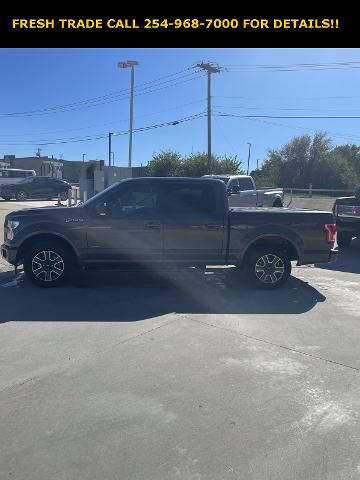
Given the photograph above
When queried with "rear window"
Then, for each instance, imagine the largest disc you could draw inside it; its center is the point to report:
(185, 198)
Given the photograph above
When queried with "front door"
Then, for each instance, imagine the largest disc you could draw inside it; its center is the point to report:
(126, 227)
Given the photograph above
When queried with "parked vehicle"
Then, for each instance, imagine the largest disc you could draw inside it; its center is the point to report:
(347, 212)
(243, 192)
(14, 175)
(178, 221)
(36, 187)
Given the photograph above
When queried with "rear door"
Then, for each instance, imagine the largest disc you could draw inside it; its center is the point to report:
(194, 221)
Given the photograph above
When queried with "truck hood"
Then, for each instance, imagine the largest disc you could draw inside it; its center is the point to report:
(46, 211)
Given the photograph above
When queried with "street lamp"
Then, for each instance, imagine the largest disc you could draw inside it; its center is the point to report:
(83, 156)
(132, 64)
(248, 162)
(113, 158)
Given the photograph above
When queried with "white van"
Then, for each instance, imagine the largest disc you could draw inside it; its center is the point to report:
(14, 175)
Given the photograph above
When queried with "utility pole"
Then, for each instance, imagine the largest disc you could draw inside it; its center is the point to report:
(132, 64)
(247, 173)
(113, 158)
(110, 133)
(210, 68)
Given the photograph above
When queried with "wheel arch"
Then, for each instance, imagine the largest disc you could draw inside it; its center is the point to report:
(40, 237)
(278, 240)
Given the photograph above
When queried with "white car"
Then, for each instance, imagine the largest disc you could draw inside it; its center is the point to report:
(243, 192)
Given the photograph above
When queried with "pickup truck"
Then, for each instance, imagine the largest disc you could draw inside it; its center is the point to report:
(347, 213)
(243, 193)
(181, 221)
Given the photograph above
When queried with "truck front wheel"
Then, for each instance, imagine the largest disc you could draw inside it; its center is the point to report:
(268, 268)
(48, 264)
(344, 239)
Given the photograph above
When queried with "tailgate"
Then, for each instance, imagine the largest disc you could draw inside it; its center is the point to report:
(349, 211)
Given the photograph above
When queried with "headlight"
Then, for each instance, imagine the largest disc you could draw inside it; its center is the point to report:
(11, 227)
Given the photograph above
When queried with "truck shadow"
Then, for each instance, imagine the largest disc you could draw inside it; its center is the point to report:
(131, 296)
(348, 259)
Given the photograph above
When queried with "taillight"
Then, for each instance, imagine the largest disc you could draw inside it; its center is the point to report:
(330, 232)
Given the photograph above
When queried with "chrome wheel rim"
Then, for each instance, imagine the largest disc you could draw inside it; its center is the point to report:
(269, 268)
(47, 266)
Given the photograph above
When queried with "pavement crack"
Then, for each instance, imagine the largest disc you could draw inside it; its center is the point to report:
(83, 357)
(268, 342)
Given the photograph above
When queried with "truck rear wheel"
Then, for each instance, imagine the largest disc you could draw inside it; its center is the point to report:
(344, 239)
(48, 264)
(278, 203)
(268, 268)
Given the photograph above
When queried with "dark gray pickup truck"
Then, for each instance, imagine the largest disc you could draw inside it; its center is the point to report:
(178, 221)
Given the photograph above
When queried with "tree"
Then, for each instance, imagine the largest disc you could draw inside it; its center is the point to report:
(167, 163)
(170, 164)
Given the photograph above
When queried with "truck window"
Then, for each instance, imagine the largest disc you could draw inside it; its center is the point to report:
(246, 184)
(135, 200)
(234, 183)
(187, 198)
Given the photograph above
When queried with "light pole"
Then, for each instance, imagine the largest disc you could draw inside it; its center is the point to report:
(132, 64)
(248, 163)
(83, 156)
(113, 158)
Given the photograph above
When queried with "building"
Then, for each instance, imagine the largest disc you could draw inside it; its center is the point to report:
(69, 170)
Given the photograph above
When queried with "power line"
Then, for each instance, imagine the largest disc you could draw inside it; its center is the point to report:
(105, 135)
(298, 127)
(103, 124)
(111, 98)
(305, 117)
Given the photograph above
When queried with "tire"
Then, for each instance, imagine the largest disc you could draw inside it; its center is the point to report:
(278, 203)
(64, 195)
(344, 239)
(49, 264)
(21, 195)
(278, 263)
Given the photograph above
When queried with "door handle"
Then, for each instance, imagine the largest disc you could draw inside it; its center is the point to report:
(152, 225)
(213, 226)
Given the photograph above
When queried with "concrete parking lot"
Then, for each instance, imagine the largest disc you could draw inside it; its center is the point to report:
(181, 375)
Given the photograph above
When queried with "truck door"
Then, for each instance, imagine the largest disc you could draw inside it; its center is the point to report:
(194, 222)
(247, 196)
(127, 226)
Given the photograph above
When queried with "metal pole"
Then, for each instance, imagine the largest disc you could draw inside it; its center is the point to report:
(209, 121)
(131, 114)
(248, 162)
(110, 149)
(210, 68)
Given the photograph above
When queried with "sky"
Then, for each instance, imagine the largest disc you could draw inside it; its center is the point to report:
(91, 98)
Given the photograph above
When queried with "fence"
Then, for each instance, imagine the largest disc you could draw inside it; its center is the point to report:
(318, 192)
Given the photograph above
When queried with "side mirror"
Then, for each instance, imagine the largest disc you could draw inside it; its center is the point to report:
(233, 190)
(102, 209)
